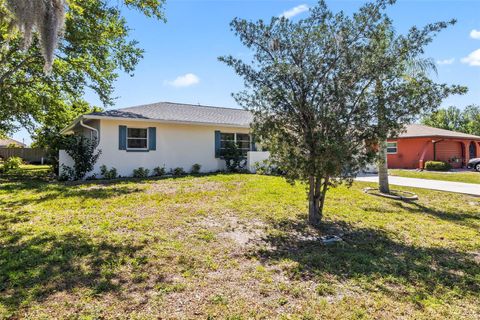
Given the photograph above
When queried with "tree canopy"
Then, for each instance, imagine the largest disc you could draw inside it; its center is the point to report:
(455, 119)
(312, 89)
(94, 48)
(47, 17)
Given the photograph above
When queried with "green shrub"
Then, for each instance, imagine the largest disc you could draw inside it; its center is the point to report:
(12, 164)
(84, 153)
(140, 172)
(195, 169)
(178, 172)
(108, 174)
(66, 173)
(234, 160)
(437, 166)
(159, 171)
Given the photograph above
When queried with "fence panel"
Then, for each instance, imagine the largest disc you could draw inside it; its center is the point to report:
(35, 155)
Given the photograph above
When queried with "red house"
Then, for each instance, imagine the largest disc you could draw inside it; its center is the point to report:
(419, 143)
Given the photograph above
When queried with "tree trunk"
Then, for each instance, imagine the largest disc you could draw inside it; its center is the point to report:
(314, 209)
(323, 194)
(383, 167)
(382, 141)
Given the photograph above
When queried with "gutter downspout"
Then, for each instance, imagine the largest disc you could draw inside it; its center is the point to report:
(93, 129)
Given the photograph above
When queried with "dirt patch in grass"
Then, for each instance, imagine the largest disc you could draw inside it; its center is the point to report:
(476, 256)
(231, 286)
(230, 227)
(242, 237)
(173, 186)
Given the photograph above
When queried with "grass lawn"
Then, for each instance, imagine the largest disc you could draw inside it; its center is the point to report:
(232, 247)
(467, 177)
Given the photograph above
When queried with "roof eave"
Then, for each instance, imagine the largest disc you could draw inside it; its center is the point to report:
(166, 121)
(69, 128)
(439, 136)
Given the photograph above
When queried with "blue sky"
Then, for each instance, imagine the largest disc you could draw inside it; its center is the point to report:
(180, 62)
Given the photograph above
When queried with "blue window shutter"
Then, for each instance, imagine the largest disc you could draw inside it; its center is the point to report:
(217, 143)
(152, 138)
(253, 146)
(122, 137)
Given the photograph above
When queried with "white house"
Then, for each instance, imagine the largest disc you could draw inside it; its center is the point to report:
(165, 134)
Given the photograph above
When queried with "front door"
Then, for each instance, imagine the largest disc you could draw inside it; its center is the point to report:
(473, 150)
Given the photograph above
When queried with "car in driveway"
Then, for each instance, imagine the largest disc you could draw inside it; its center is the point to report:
(474, 164)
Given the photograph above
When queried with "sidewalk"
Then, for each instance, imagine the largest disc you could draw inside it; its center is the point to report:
(449, 186)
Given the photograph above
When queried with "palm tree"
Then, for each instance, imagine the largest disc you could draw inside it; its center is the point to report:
(413, 68)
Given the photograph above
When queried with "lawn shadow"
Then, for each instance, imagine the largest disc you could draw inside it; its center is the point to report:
(35, 266)
(460, 217)
(62, 192)
(368, 254)
(456, 215)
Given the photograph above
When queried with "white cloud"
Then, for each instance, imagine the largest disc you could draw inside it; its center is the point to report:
(185, 80)
(473, 59)
(475, 34)
(294, 11)
(446, 61)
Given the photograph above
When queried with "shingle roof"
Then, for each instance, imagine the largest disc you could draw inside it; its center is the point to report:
(6, 142)
(419, 130)
(178, 112)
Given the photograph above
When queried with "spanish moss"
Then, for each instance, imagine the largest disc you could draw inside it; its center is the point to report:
(46, 17)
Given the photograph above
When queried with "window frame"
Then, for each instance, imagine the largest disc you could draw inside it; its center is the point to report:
(235, 141)
(147, 138)
(396, 147)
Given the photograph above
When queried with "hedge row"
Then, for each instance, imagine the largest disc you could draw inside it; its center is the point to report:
(437, 166)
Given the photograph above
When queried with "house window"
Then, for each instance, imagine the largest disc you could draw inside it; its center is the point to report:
(391, 147)
(242, 140)
(137, 138)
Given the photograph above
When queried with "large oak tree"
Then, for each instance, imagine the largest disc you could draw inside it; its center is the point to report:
(94, 48)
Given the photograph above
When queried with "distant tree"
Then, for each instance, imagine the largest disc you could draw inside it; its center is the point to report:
(455, 119)
(308, 87)
(449, 119)
(472, 114)
(403, 89)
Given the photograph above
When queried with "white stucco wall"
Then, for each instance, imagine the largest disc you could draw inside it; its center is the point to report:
(256, 157)
(177, 145)
(64, 158)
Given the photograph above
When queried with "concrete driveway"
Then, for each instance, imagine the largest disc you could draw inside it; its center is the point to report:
(449, 186)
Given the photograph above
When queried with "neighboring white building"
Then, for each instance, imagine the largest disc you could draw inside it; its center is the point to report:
(9, 142)
(165, 134)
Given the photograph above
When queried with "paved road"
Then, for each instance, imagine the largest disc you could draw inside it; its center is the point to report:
(459, 187)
